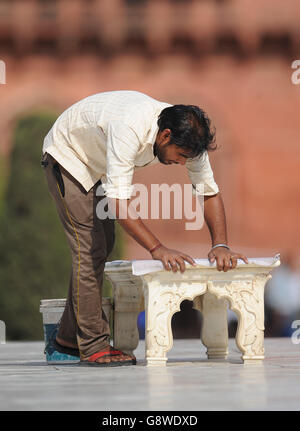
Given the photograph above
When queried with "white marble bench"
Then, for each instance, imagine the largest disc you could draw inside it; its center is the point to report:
(145, 285)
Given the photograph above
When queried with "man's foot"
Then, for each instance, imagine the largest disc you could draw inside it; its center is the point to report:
(109, 358)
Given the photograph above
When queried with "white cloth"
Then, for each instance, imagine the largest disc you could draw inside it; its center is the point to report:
(107, 135)
(141, 267)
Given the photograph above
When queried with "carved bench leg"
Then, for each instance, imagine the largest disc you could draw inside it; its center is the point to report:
(250, 331)
(162, 300)
(246, 298)
(214, 333)
(158, 331)
(128, 303)
(126, 334)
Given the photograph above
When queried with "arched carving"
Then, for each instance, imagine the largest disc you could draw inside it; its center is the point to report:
(163, 301)
(246, 298)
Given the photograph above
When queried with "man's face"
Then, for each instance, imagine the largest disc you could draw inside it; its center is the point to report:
(168, 153)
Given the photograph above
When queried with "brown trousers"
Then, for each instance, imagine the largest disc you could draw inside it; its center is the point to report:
(90, 240)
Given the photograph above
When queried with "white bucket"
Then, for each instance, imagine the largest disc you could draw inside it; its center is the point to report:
(52, 310)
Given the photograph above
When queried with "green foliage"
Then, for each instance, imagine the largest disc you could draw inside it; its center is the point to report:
(3, 175)
(34, 256)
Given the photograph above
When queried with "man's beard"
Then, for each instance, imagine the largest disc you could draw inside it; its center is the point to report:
(160, 154)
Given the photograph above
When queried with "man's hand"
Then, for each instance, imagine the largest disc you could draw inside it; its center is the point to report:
(171, 259)
(226, 259)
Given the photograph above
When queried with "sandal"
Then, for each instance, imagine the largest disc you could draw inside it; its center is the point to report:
(92, 360)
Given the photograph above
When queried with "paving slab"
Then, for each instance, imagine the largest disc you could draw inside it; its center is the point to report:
(188, 382)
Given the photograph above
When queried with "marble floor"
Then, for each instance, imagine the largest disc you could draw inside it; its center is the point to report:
(188, 382)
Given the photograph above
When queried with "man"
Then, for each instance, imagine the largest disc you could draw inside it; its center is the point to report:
(98, 142)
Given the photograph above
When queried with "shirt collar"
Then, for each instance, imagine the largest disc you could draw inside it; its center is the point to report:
(151, 137)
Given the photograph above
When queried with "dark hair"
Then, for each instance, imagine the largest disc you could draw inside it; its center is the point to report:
(190, 128)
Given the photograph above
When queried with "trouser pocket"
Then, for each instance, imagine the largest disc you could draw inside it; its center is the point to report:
(59, 178)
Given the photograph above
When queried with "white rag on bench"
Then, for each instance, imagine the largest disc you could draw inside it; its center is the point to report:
(141, 267)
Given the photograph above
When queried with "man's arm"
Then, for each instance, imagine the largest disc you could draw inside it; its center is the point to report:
(214, 215)
(135, 227)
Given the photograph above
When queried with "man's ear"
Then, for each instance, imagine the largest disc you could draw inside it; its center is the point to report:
(166, 134)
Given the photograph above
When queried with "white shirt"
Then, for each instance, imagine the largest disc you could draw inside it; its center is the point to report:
(107, 135)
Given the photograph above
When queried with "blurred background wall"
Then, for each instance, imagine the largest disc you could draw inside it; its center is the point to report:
(231, 57)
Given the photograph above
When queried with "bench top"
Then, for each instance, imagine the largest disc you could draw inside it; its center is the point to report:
(142, 267)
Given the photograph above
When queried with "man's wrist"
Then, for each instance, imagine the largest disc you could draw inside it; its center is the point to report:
(155, 247)
(220, 245)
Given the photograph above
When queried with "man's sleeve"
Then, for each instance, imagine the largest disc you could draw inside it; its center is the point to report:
(122, 147)
(201, 175)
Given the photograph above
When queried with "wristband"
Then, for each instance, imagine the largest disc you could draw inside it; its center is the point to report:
(220, 245)
(155, 248)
